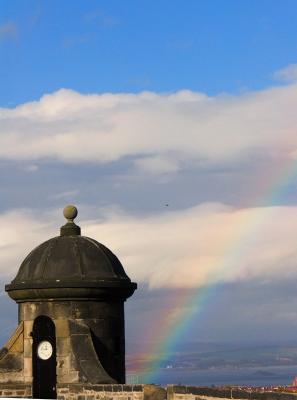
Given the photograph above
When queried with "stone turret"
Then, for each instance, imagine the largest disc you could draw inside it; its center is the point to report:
(70, 292)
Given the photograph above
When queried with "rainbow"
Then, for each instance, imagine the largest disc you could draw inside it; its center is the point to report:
(172, 326)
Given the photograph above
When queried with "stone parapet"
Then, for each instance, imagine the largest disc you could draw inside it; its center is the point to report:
(108, 392)
(81, 391)
(179, 392)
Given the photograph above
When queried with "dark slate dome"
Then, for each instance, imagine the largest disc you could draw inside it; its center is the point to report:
(70, 266)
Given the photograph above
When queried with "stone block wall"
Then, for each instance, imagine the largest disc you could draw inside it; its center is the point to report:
(80, 336)
(11, 358)
(15, 390)
(143, 392)
(100, 392)
(90, 392)
(178, 392)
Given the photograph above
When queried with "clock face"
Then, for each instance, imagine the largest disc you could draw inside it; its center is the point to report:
(44, 350)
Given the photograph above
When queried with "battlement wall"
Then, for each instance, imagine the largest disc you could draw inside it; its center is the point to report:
(178, 392)
(144, 392)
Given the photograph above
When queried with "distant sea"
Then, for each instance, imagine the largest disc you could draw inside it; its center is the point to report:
(253, 377)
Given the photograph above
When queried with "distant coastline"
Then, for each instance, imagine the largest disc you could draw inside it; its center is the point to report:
(221, 365)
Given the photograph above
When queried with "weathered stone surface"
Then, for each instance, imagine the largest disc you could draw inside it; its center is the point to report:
(62, 327)
(28, 367)
(28, 326)
(11, 362)
(63, 365)
(63, 347)
(16, 390)
(153, 392)
(179, 392)
(106, 336)
(148, 392)
(70, 377)
(70, 262)
(28, 347)
(80, 286)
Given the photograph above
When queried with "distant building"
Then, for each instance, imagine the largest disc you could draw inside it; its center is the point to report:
(70, 292)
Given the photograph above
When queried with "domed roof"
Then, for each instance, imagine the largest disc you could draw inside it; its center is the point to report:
(70, 265)
(74, 258)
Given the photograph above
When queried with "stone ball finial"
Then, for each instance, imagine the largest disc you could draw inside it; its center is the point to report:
(70, 228)
(70, 212)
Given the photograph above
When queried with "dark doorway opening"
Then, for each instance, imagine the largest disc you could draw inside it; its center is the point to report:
(44, 358)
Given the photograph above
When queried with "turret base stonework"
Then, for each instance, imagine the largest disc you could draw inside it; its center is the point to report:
(77, 361)
(70, 292)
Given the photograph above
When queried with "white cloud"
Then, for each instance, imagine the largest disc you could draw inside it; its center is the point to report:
(30, 168)
(70, 194)
(20, 231)
(202, 245)
(205, 244)
(163, 132)
(157, 164)
(287, 74)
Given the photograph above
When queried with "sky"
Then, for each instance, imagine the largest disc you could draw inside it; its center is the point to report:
(172, 126)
